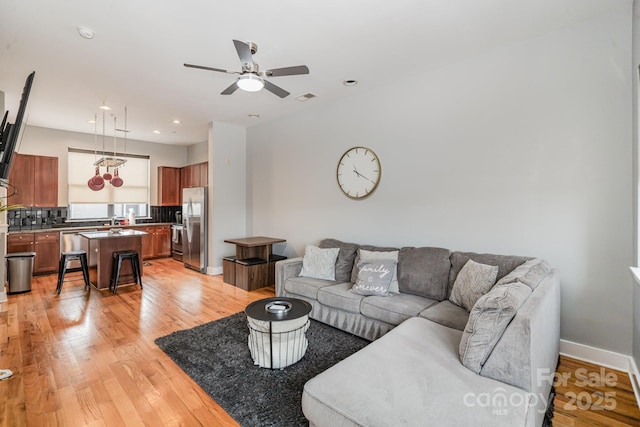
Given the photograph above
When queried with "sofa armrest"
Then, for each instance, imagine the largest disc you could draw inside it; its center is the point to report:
(284, 270)
(527, 354)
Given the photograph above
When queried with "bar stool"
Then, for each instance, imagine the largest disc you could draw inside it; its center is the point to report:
(118, 257)
(81, 256)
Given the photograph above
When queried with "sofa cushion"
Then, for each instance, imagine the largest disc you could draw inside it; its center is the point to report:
(424, 272)
(346, 257)
(448, 314)
(488, 320)
(394, 309)
(305, 286)
(473, 281)
(354, 272)
(530, 273)
(505, 264)
(427, 385)
(371, 256)
(339, 296)
(374, 277)
(319, 263)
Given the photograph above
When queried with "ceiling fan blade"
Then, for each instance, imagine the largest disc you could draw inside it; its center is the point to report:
(202, 67)
(244, 52)
(287, 71)
(277, 90)
(230, 89)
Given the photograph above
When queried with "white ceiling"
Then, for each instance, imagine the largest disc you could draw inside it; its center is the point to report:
(136, 56)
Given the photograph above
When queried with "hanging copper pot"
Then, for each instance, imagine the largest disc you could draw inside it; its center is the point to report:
(95, 187)
(116, 181)
(107, 176)
(96, 182)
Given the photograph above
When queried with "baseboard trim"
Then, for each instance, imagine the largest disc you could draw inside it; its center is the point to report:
(606, 358)
(214, 271)
(586, 353)
(634, 375)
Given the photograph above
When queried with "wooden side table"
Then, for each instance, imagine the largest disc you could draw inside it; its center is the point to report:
(253, 266)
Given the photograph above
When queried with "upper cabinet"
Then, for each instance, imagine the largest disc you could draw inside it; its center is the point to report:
(168, 186)
(172, 180)
(35, 179)
(194, 175)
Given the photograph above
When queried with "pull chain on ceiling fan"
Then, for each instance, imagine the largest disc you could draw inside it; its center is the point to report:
(251, 79)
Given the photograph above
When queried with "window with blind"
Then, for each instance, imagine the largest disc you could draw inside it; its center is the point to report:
(85, 203)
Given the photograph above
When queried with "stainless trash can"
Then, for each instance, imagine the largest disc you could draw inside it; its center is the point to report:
(19, 271)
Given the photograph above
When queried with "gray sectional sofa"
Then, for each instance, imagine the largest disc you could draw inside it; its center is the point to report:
(432, 362)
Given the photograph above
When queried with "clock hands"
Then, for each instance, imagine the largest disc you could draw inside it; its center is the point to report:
(360, 175)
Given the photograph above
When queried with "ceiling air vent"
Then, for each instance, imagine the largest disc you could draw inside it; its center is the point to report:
(305, 97)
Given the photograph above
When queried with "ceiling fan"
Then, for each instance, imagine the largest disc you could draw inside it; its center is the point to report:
(251, 79)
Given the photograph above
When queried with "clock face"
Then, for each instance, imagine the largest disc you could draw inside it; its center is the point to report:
(358, 172)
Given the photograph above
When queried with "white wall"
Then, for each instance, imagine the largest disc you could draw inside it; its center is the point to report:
(198, 153)
(635, 75)
(228, 196)
(525, 149)
(52, 142)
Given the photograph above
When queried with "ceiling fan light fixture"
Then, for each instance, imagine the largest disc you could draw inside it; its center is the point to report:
(250, 83)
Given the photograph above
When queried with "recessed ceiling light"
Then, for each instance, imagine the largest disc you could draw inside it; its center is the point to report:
(86, 33)
(105, 107)
(156, 131)
(176, 122)
(350, 82)
(305, 97)
(254, 116)
(91, 121)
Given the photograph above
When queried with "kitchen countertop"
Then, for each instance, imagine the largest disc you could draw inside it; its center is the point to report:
(112, 234)
(81, 229)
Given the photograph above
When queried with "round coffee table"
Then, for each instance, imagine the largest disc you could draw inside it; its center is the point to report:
(277, 329)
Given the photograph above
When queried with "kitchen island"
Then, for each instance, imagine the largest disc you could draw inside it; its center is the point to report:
(100, 247)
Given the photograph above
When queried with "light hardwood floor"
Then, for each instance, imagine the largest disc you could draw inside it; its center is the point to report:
(89, 359)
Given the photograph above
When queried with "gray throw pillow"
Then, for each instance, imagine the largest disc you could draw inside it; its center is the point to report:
(424, 272)
(319, 263)
(369, 256)
(473, 281)
(505, 263)
(488, 320)
(346, 257)
(374, 277)
(354, 272)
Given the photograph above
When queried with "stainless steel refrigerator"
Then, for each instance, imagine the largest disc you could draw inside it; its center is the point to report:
(194, 230)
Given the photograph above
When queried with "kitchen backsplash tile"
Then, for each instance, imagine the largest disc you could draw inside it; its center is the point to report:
(25, 219)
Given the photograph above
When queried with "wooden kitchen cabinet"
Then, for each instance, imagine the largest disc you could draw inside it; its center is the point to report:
(20, 242)
(21, 180)
(195, 175)
(47, 249)
(162, 241)
(169, 187)
(157, 242)
(45, 245)
(147, 242)
(35, 179)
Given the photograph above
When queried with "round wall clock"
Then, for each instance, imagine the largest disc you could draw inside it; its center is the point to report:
(358, 172)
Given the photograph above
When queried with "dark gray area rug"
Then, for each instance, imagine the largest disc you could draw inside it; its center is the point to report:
(216, 356)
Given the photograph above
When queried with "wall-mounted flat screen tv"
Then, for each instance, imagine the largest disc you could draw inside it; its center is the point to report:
(9, 132)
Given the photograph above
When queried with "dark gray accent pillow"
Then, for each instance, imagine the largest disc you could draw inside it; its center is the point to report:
(346, 257)
(505, 264)
(354, 272)
(424, 272)
(374, 277)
